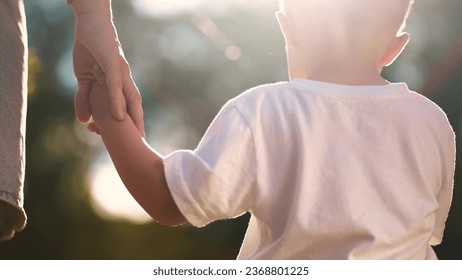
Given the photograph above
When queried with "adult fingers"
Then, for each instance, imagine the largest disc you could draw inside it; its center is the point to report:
(7, 220)
(114, 82)
(6, 234)
(99, 75)
(3, 218)
(82, 102)
(134, 103)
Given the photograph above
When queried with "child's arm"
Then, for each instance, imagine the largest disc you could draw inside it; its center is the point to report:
(140, 167)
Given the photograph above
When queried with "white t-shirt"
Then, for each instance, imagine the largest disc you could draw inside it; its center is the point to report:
(327, 171)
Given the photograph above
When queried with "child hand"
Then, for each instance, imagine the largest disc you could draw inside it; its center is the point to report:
(96, 42)
(99, 100)
(92, 127)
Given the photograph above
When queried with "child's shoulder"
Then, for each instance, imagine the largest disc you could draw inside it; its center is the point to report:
(427, 107)
(265, 89)
(253, 101)
(260, 92)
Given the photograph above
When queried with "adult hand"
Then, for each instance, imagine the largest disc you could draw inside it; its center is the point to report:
(96, 43)
(8, 221)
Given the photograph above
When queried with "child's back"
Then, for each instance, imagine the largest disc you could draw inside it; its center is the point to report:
(327, 171)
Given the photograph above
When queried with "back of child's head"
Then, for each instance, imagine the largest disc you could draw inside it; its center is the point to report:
(367, 28)
(382, 15)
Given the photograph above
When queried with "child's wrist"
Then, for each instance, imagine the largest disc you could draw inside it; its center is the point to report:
(102, 114)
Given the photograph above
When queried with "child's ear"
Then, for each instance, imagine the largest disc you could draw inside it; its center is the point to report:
(287, 27)
(395, 48)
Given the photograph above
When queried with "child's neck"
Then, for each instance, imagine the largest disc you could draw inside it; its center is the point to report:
(341, 65)
(347, 76)
(344, 69)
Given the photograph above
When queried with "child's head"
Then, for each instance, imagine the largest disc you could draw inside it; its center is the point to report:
(342, 33)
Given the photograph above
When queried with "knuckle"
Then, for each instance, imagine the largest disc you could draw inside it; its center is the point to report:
(114, 84)
(135, 98)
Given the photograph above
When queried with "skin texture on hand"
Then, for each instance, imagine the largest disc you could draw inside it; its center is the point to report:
(96, 43)
(10, 221)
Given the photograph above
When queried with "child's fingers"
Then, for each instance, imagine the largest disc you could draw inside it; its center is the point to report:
(82, 102)
(135, 110)
(134, 104)
(115, 88)
(93, 128)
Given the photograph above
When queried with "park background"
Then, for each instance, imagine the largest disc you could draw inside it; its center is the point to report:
(188, 58)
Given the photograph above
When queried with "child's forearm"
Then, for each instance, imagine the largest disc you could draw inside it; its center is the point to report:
(140, 168)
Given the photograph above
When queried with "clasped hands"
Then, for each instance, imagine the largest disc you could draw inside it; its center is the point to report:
(97, 45)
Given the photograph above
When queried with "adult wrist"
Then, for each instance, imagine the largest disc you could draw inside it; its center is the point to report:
(101, 8)
(71, 1)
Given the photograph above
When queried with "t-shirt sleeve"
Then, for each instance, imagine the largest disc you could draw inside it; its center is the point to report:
(217, 180)
(445, 195)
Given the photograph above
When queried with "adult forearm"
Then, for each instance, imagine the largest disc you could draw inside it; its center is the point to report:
(98, 12)
(84, 6)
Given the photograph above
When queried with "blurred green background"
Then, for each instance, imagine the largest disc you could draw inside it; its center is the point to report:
(188, 58)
